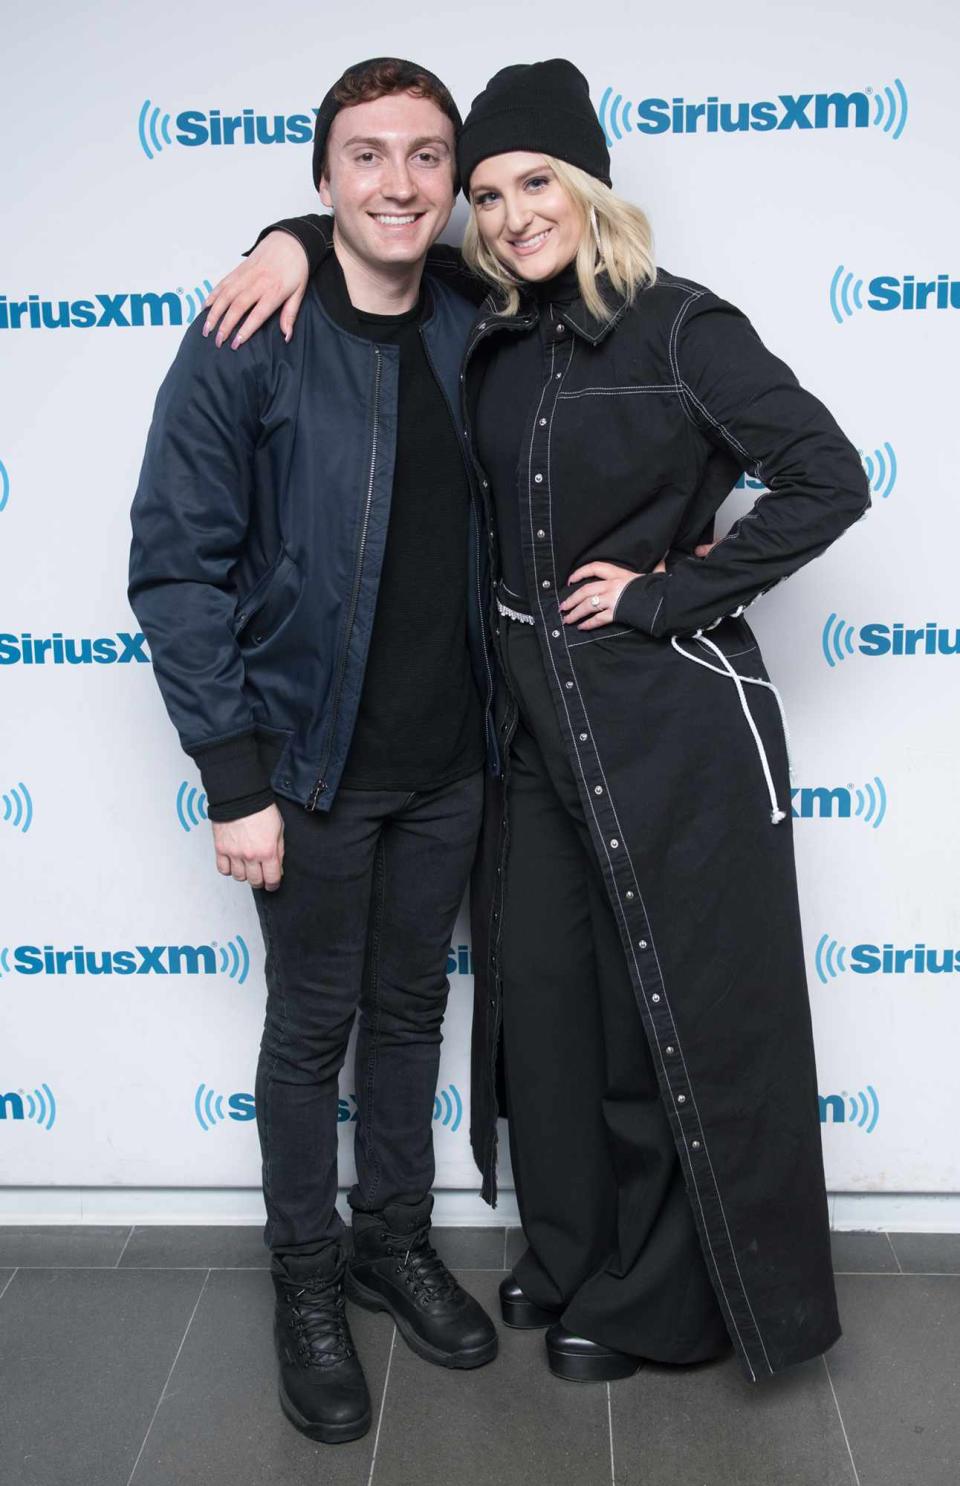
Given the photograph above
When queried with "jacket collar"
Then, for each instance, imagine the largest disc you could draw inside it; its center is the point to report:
(578, 318)
(574, 314)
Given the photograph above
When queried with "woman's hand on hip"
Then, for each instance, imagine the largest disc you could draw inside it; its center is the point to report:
(593, 605)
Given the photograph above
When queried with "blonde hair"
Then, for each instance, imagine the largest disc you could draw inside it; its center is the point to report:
(617, 240)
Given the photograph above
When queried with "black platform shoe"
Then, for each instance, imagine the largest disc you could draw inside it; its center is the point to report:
(519, 1312)
(395, 1269)
(582, 1361)
(322, 1388)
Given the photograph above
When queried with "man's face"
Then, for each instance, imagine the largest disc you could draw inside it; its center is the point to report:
(389, 178)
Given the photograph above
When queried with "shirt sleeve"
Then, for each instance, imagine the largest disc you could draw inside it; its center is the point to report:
(745, 400)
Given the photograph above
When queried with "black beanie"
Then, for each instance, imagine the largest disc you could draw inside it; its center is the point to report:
(535, 106)
(330, 107)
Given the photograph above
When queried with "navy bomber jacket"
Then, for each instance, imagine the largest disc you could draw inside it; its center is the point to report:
(259, 525)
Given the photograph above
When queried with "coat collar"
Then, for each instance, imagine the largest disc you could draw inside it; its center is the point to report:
(574, 313)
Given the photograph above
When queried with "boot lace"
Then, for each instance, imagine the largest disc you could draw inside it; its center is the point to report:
(423, 1271)
(317, 1313)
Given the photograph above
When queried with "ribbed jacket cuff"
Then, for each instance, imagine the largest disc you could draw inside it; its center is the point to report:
(234, 777)
(641, 603)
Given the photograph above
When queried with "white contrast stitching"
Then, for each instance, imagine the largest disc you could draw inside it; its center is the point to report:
(618, 391)
(624, 923)
(617, 635)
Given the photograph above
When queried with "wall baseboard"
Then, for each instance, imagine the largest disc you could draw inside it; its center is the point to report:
(895, 1212)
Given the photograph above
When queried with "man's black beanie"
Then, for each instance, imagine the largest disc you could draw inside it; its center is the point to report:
(406, 77)
(536, 106)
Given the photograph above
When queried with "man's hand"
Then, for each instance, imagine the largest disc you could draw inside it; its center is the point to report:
(251, 849)
(275, 274)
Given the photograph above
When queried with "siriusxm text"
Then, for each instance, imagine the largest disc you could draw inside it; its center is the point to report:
(68, 650)
(99, 312)
(141, 959)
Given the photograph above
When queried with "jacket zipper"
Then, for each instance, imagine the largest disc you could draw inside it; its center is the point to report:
(321, 783)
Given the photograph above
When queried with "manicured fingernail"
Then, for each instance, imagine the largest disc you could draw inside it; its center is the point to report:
(219, 339)
(236, 343)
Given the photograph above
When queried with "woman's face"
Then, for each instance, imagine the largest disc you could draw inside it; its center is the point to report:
(524, 215)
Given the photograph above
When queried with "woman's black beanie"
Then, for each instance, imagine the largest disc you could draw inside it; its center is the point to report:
(536, 106)
(406, 76)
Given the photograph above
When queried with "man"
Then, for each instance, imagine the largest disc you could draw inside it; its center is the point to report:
(307, 567)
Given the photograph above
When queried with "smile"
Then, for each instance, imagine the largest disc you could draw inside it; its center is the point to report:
(389, 220)
(530, 244)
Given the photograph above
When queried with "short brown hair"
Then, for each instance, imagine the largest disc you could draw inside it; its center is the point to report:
(366, 81)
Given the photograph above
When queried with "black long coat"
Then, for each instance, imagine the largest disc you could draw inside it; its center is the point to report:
(638, 429)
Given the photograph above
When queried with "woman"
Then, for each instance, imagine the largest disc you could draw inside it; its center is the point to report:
(641, 920)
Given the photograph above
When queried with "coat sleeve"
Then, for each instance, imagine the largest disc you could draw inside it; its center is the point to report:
(746, 401)
(189, 517)
(314, 233)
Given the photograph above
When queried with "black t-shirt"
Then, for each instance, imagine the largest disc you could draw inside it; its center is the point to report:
(420, 719)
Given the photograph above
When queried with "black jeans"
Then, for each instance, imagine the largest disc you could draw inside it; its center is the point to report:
(599, 1186)
(361, 922)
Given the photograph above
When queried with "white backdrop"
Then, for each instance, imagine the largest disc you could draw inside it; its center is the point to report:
(115, 187)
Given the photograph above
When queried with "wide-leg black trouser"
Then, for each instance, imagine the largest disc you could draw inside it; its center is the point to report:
(605, 1212)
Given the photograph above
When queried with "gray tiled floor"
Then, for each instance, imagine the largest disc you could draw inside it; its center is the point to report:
(142, 1357)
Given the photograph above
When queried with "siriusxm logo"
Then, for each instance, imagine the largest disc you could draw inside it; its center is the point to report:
(839, 639)
(882, 108)
(212, 1108)
(880, 468)
(833, 959)
(16, 808)
(4, 485)
(197, 126)
(40, 1106)
(861, 1109)
(104, 311)
(841, 802)
(888, 292)
(460, 960)
(56, 650)
(231, 959)
(191, 806)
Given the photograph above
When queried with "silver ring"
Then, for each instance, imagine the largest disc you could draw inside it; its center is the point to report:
(595, 601)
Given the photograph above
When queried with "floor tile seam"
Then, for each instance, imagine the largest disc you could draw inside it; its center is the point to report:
(153, 1268)
(893, 1251)
(900, 1274)
(843, 1427)
(383, 1400)
(10, 1281)
(124, 1249)
(613, 1468)
(166, 1383)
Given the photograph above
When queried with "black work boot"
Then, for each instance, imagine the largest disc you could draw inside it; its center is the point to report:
(322, 1387)
(395, 1269)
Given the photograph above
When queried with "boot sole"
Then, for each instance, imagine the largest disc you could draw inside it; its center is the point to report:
(370, 1300)
(327, 1434)
(592, 1369)
(523, 1315)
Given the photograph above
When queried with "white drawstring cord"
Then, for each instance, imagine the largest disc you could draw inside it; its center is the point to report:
(776, 814)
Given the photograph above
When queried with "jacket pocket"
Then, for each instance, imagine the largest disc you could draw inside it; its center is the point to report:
(269, 602)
